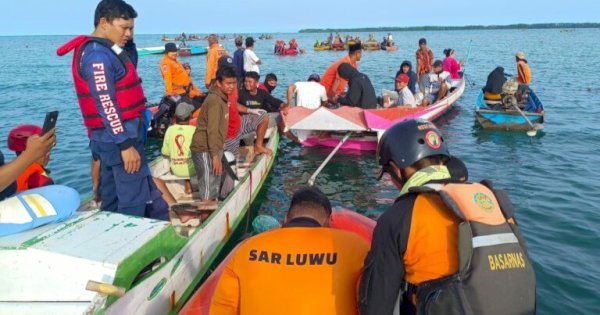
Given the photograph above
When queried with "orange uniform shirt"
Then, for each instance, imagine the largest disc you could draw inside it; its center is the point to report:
(175, 77)
(524, 73)
(331, 74)
(293, 270)
(432, 242)
(212, 58)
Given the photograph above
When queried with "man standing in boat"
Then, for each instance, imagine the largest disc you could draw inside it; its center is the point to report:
(251, 61)
(424, 57)
(215, 51)
(111, 98)
(333, 83)
(305, 267)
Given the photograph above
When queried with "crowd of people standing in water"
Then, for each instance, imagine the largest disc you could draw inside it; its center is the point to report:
(434, 250)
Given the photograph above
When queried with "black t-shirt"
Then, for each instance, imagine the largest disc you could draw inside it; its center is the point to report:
(261, 100)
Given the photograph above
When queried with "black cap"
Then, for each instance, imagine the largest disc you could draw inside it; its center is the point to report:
(422, 41)
(354, 47)
(438, 63)
(225, 61)
(171, 47)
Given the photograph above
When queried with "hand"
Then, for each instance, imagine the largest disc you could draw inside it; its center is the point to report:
(285, 109)
(40, 146)
(131, 160)
(217, 166)
(256, 111)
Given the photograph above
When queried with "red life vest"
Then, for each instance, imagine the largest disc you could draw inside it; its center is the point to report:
(129, 92)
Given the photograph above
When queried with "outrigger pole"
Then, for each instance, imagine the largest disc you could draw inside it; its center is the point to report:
(311, 180)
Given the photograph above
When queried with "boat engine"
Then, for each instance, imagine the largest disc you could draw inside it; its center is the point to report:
(509, 91)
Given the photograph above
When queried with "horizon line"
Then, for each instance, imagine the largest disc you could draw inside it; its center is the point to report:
(548, 25)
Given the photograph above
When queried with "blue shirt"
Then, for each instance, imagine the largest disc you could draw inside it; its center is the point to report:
(97, 58)
(238, 62)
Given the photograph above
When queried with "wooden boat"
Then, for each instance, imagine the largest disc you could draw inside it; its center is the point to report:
(183, 51)
(129, 265)
(366, 124)
(199, 303)
(192, 51)
(389, 48)
(157, 50)
(501, 119)
(371, 45)
(338, 46)
(322, 47)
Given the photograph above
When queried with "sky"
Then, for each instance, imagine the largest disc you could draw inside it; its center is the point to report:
(67, 17)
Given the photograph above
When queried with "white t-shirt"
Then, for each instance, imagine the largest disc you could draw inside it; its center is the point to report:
(250, 61)
(433, 85)
(310, 94)
(406, 97)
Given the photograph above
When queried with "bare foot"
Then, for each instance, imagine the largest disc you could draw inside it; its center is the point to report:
(262, 150)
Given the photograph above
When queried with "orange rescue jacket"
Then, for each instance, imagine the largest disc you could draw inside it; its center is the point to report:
(331, 74)
(293, 270)
(175, 76)
(215, 51)
(33, 177)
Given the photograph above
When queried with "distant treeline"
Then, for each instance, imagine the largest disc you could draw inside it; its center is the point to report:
(453, 28)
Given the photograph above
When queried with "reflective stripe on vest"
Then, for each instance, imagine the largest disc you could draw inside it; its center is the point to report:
(129, 93)
(494, 239)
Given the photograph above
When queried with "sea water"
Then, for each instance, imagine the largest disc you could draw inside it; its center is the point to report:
(553, 178)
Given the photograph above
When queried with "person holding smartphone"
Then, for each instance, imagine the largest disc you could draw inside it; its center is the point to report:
(111, 99)
(36, 175)
(37, 147)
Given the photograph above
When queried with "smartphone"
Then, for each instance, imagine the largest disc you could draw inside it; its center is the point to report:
(50, 121)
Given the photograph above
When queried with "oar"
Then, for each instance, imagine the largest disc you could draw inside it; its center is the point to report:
(467, 58)
(311, 180)
(464, 66)
(533, 130)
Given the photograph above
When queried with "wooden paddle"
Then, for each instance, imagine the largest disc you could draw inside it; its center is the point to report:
(311, 180)
(533, 130)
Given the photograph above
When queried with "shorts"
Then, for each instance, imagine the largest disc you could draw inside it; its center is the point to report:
(249, 125)
(432, 97)
(209, 184)
(275, 119)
